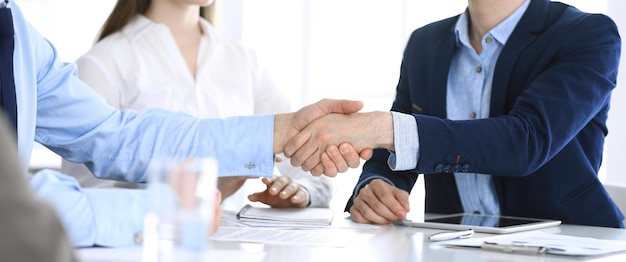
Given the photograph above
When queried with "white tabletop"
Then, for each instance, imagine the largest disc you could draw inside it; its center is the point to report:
(369, 243)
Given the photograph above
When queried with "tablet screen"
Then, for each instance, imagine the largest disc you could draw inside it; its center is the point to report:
(483, 220)
(484, 223)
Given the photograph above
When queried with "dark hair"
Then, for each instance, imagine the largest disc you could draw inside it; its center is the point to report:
(122, 13)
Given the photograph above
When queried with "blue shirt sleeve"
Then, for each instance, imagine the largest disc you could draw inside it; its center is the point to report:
(104, 217)
(406, 143)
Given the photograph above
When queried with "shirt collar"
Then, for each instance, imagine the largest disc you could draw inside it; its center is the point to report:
(140, 25)
(500, 33)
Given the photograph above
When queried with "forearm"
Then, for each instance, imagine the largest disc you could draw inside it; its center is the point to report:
(104, 217)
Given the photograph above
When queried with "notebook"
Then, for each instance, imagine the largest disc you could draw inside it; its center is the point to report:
(268, 216)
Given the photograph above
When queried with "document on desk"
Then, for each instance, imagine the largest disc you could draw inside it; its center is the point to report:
(285, 217)
(543, 243)
(304, 237)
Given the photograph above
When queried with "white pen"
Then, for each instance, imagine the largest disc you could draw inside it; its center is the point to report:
(451, 235)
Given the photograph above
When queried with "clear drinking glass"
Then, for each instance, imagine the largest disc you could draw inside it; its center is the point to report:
(181, 206)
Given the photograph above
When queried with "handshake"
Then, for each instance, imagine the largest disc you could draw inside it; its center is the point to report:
(329, 136)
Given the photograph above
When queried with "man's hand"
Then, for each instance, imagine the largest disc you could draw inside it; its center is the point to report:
(338, 159)
(282, 191)
(380, 203)
(361, 130)
(288, 125)
(218, 212)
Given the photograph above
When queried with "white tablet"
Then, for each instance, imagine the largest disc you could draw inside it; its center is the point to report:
(484, 223)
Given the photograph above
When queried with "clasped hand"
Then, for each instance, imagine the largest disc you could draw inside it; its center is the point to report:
(329, 136)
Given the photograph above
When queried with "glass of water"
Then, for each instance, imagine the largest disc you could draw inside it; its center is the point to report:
(181, 209)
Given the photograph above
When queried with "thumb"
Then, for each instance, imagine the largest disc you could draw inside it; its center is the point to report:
(404, 201)
(324, 107)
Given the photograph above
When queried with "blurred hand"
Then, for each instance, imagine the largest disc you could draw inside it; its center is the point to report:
(282, 191)
(362, 131)
(380, 203)
(218, 211)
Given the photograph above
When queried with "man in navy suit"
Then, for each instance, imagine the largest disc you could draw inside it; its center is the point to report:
(504, 110)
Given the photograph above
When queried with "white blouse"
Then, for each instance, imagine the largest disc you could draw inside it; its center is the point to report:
(141, 67)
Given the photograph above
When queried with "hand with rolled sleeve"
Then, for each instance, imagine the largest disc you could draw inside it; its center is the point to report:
(357, 132)
(289, 135)
(282, 191)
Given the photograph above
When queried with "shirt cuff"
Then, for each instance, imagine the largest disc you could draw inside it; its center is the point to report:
(118, 215)
(406, 143)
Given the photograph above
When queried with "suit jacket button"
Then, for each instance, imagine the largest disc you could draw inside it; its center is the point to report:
(439, 168)
(457, 168)
(466, 167)
(447, 168)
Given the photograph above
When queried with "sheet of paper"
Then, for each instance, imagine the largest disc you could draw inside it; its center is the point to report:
(229, 219)
(133, 254)
(320, 237)
(555, 244)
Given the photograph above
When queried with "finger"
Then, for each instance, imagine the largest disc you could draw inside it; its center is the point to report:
(349, 155)
(267, 181)
(379, 207)
(389, 199)
(300, 198)
(218, 211)
(305, 156)
(358, 217)
(366, 154)
(337, 160)
(296, 143)
(365, 214)
(319, 170)
(313, 159)
(323, 107)
(329, 168)
(289, 190)
(278, 185)
(216, 221)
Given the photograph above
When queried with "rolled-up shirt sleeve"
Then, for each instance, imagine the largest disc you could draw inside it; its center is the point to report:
(92, 217)
(406, 142)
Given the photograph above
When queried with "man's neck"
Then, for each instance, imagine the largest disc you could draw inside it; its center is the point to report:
(486, 14)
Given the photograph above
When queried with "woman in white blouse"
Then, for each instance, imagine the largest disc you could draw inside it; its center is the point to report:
(162, 53)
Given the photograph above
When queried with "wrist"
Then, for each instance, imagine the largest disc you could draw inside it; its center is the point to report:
(384, 131)
(281, 127)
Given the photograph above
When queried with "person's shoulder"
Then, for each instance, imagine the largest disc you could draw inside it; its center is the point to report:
(120, 44)
(564, 13)
(437, 28)
(109, 48)
(563, 18)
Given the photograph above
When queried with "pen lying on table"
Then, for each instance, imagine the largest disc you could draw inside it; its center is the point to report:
(451, 235)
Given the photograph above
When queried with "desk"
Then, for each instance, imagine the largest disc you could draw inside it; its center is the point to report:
(389, 244)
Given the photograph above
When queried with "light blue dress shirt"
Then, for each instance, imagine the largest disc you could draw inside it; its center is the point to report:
(59, 111)
(468, 97)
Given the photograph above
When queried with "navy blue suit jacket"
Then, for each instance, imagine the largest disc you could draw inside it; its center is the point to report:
(544, 139)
